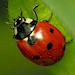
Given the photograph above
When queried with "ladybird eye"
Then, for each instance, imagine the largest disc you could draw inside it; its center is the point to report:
(51, 30)
(49, 46)
(36, 57)
(20, 18)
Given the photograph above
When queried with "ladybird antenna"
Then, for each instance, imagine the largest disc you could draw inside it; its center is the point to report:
(50, 17)
(21, 13)
(12, 28)
(35, 12)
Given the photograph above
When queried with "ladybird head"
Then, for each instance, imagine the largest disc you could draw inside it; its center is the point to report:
(24, 27)
(18, 21)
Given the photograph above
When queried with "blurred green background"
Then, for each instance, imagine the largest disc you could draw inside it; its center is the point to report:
(12, 62)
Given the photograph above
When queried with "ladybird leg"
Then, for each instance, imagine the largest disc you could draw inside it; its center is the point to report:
(35, 12)
(69, 41)
(31, 40)
(12, 28)
(49, 19)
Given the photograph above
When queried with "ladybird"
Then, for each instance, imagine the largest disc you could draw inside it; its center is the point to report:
(40, 42)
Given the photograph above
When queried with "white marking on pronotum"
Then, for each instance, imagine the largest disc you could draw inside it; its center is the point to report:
(28, 20)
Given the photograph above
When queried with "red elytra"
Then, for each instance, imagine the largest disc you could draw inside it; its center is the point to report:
(48, 48)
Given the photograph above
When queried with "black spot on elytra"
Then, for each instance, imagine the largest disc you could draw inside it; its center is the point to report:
(51, 30)
(36, 57)
(49, 46)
